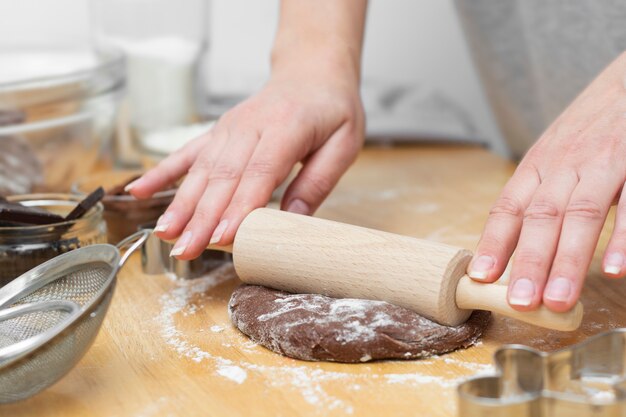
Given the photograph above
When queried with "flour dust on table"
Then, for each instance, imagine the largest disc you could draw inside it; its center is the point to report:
(313, 382)
(319, 328)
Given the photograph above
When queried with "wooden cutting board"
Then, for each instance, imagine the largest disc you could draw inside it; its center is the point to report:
(167, 348)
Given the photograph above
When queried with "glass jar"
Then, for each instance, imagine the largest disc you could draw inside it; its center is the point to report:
(124, 213)
(24, 247)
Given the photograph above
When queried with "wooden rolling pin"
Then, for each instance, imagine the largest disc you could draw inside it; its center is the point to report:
(304, 254)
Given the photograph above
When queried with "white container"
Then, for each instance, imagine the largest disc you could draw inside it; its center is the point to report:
(165, 43)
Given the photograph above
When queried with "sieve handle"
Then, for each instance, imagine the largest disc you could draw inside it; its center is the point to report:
(132, 243)
(23, 347)
(21, 309)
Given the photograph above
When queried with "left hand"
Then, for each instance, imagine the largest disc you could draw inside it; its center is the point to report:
(553, 208)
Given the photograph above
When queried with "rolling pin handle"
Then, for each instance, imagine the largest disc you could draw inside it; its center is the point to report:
(492, 297)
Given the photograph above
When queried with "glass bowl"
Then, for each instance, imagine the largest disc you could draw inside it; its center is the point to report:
(53, 129)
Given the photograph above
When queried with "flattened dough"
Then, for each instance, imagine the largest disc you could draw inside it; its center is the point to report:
(318, 328)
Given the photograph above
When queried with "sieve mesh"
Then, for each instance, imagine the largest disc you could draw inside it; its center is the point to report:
(85, 276)
(29, 324)
(80, 285)
(33, 373)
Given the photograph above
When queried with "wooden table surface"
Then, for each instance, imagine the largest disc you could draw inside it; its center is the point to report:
(167, 347)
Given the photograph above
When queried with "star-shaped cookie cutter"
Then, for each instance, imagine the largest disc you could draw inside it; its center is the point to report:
(586, 379)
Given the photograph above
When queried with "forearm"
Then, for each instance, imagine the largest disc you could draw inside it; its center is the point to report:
(612, 82)
(320, 34)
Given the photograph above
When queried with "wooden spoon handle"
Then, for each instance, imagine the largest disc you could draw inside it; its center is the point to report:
(473, 295)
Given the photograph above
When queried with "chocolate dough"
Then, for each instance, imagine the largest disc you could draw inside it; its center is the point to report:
(318, 328)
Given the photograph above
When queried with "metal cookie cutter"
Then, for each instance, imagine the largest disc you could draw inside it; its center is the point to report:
(586, 379)
(155, 259)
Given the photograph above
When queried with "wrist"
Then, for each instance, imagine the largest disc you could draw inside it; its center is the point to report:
(328, 59)
(320, 40)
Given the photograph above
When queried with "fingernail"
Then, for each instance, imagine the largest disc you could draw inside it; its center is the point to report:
(613, 263)
(559, 289)
(219, 231)
(164, 222)
(181, 244)
(131, 185)
(481, 266)
(298, 206)
(522, 292)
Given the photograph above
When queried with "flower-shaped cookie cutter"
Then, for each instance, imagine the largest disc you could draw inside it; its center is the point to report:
(586, 379)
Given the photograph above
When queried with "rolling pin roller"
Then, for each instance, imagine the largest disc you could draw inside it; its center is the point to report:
(304, 254)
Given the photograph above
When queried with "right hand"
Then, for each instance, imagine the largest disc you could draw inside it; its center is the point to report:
(306, 113)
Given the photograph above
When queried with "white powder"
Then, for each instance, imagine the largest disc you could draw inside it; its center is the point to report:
(295, 302)
(169, 140)
(161, 80)
(599, 388)
(309, 382)
(349, 314)
(177, 300)
(477, 369)
(248, 346)
(422, 379)
(234, 373)
(153, 408)
(217, 329)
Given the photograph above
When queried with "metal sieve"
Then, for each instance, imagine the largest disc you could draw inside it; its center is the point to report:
(52, 314)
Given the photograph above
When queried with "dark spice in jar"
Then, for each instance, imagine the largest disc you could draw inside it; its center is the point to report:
(22, 257)
(23, 247)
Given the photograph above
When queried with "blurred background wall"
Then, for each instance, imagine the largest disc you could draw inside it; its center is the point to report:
(414, 44)
(419, 80)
